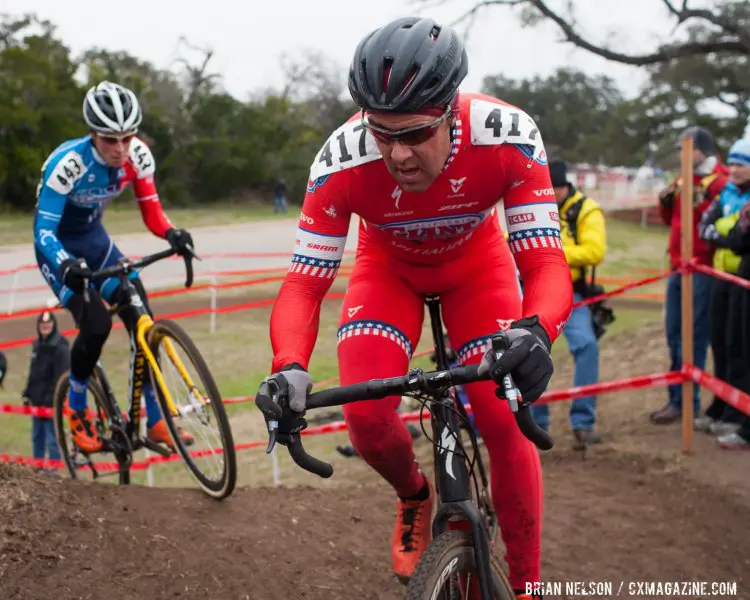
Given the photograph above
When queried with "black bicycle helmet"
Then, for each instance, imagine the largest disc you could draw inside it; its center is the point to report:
(406, 65)
(111, 108)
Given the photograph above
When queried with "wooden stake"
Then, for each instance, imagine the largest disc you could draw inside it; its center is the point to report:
(686, 223)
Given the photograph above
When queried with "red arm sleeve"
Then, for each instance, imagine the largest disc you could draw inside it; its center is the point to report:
(319, 247)
(151, 210)
(534, 238)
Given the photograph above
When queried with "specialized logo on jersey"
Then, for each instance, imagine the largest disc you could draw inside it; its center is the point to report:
(349, 146)
(396, 195)
(435, 228)
(493, 123)
(533, 226)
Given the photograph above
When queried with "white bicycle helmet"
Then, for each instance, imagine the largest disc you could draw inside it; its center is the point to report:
(111, 108)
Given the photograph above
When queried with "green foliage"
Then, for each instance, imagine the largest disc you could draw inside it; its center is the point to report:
(698, 76)
(209, 147)
(586, 118)
(576, 113)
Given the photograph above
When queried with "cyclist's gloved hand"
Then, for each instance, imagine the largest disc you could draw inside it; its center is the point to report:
(180, 240)
(281, 397)
(527, 359)
(74, 271)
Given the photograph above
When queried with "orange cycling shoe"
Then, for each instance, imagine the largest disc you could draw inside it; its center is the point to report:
(84, 433)
(411, 534)
(159, 434)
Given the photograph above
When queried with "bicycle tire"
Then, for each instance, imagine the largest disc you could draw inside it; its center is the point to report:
(225, 485)
(452, 552)
(101, 400)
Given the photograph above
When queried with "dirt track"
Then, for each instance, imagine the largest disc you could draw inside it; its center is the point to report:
(634, 510)
(607, 519)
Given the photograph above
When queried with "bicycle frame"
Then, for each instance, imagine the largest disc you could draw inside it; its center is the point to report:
(138, 322)
(452, 478)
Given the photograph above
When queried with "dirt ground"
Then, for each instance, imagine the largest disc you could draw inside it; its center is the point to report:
(634, 508)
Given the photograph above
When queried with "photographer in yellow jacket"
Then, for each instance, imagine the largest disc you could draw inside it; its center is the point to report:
(585, 244)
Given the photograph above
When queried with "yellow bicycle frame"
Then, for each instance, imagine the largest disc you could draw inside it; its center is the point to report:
(143, 327)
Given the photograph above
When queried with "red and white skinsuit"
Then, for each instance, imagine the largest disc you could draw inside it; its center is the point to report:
(446, 240)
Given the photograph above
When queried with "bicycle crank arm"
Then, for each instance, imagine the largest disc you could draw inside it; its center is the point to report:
(157, 448)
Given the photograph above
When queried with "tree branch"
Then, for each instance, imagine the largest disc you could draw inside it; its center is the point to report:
(664, 54)
(472, 12)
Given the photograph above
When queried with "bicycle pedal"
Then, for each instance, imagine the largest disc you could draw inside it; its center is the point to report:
(158, 448)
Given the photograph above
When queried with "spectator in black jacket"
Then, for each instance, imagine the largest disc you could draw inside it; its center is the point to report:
(3, 368)
(738, 241)
(50, 358)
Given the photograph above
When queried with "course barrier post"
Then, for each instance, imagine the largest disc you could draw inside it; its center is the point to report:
(686, 250)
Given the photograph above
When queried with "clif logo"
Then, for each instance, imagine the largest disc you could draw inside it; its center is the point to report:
(521, 218)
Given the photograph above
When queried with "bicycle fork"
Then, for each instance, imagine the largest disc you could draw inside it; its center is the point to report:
(454, 486)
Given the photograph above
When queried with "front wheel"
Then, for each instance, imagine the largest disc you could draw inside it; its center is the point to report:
(196, 409)
(447, 571)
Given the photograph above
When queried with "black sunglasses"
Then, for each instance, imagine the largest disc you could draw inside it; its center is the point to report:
(409, 136)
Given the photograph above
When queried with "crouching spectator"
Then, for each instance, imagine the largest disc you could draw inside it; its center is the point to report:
(726, 314)
(50, 358)
(584, 241)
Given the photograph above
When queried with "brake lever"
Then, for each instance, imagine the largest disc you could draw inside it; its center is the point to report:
(522, 414)
(86, 295)
(499, 346)
(193, 252)
(272, 411)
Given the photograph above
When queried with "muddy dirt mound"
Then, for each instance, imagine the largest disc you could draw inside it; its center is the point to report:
(607, 518)
(64, 540)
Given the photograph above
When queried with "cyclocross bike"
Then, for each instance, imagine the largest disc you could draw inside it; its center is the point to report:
(459, 563)
(162, 351)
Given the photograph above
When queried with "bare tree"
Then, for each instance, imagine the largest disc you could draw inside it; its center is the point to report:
(198, 80)
(319, 83)
(726, 27)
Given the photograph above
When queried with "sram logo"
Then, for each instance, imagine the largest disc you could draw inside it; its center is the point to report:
(521, 218)
(322, 247)
(544, 192)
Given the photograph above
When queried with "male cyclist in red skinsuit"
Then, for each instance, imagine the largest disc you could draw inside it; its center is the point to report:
(424, 168)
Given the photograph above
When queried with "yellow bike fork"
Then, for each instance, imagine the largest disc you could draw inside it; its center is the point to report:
(144, 325)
